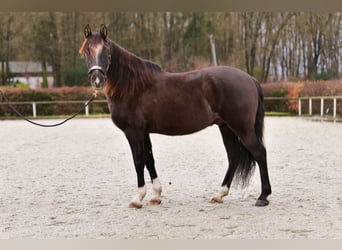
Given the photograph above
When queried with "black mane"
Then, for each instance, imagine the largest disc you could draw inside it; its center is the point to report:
(128, 74)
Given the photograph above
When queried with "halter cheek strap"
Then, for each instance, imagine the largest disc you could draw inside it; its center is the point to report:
(97, 67)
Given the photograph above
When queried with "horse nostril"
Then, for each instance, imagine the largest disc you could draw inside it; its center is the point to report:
(97, 79)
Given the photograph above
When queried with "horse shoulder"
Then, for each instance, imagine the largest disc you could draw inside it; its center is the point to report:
(126, 114)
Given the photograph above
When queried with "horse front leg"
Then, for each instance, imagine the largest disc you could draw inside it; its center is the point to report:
(156, 186)
(136, 142)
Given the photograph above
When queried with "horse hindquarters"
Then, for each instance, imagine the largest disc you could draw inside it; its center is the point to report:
(253, 143)
(247, 125)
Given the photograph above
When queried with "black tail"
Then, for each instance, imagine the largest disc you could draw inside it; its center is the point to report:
(246, 162)
(260, 115)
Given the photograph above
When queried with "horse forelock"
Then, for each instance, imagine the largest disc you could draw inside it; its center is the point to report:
(128, 74)
(95, 38)
(83, 46)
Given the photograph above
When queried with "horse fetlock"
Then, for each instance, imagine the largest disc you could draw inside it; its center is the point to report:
(268, 191)
(157, 189)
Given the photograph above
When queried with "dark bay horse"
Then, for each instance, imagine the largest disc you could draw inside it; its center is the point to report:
(144, 99)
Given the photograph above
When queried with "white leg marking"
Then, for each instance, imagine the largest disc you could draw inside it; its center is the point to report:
(220, 194)
(137, 200)
(157, 189)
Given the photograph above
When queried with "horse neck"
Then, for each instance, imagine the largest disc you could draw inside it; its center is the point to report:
(128, 74)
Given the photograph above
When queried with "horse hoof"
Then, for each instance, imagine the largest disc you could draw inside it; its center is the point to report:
(135, 205)
(261, 203)
(216, 200)
(155, 201)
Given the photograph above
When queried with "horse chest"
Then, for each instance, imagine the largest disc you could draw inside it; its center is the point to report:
(125, 116)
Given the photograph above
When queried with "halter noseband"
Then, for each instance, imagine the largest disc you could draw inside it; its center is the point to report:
(96, 67)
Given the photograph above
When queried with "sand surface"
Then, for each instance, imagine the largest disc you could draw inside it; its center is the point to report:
(76, 181)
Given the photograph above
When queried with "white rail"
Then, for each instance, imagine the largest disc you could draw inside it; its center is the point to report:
(321, 98)
(34, 105)
(300, 101)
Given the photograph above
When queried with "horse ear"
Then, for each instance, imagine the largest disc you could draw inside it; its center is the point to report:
(87, 31)
(103, 31)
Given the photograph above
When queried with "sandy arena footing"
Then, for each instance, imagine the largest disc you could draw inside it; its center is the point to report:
(76, 181)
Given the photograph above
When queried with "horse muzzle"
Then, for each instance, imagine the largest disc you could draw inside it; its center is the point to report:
(97, 77)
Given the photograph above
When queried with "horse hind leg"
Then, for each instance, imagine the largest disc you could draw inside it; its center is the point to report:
(232, 146)
(150, 165)
(258, 151)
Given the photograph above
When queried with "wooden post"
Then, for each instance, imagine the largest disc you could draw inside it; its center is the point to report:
(299, 107)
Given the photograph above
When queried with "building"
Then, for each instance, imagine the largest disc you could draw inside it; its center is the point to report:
(30, 73)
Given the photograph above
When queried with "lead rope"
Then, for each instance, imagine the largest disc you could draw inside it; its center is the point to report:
(4, 97)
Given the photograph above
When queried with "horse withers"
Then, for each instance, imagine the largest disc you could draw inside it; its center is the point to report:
(144, 99)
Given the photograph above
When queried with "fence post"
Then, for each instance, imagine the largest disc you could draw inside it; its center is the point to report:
(213, 50)
(87, 110)
(34, 109)
(334, 108)
(299, 106)
(310, 106)
(322, 106)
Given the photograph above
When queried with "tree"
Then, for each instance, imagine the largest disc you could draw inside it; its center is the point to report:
(195, 37)
(251, 30)
(71, 36)
(44, 40)
(6, 51)
(275, 24)
(268, 45)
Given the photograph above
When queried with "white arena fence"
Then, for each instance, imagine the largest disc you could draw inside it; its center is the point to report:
(317, 105)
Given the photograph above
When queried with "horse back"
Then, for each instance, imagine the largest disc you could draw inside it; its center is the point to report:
(196, 99)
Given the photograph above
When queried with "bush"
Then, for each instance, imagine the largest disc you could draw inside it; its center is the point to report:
(324, 76)
(277, 90)
(293, 90)
(322, 88)
(18, 84)
(55, 94)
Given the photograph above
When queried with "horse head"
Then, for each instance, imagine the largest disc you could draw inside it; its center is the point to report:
(97, 53)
